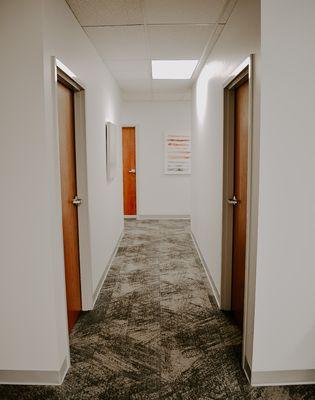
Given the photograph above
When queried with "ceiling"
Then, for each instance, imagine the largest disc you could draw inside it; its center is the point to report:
(128, 34)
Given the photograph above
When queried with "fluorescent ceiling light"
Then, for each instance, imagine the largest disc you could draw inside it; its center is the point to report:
(173, 69)
(65, 69)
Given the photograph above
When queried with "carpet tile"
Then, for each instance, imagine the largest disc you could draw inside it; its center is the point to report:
(156, 332)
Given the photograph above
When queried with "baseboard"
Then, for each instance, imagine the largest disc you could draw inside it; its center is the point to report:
(247, 370)
(16, 377)
(130, 217)
(103, 277)
(207, 270)
(162, 216)
(283, 378)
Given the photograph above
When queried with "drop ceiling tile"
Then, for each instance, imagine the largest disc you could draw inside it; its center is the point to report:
(136, 96)
(183, 11)
(107, 12)
(178, 42)
(178, 85)
(119, 42)
(130, 69)
(135, 85)
(170, 96)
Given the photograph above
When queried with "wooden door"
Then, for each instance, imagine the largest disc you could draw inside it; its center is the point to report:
(240, 209)
(69, 210)
(129, 171)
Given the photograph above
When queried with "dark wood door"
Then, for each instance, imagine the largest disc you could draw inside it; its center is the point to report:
(129, 171)
(240, 210)
(69, 210)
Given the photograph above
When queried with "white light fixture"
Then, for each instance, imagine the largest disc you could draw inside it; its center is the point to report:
(65, 69)
(173, 69)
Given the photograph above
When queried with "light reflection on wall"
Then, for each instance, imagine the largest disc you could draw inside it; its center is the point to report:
(210, 71)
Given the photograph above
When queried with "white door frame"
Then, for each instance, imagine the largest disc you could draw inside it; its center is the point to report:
(61, 73)
(243, 72)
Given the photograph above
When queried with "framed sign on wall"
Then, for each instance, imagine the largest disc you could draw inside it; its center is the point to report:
(177, 154)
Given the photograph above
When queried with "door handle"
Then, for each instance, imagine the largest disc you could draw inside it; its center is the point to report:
(132, 171)
(233, 201)
(77, 201)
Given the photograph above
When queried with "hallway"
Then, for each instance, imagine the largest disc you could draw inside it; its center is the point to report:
(156, 332)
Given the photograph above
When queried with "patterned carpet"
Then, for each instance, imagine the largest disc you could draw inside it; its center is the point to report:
(156, 332)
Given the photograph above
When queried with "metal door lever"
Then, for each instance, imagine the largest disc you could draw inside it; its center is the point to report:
(77, 201)
(132, 171)
(233, 201)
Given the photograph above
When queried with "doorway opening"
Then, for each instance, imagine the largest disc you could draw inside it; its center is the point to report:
(129, 171)
(237, 148)
(70, 107)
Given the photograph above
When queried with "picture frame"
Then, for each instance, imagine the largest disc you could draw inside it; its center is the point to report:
(177, 159)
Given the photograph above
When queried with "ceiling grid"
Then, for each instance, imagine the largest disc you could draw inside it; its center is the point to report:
(128, 34)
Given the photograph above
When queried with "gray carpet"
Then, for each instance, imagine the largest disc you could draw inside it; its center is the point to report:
(156, 332)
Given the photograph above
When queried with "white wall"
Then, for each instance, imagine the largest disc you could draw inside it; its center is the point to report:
(238, 41)
(158, 194)
(28, 316)
(284, 337)
(65, 39)
(33, 333)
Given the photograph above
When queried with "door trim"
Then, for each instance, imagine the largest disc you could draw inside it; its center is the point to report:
(135, 127)
(241, 74)
(60, 75)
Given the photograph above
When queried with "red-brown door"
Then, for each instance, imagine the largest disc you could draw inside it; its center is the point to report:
(69, 210)
(129, 171)
(240, 210)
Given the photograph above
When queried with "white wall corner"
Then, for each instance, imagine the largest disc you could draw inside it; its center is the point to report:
(108, 266)
(215, 291)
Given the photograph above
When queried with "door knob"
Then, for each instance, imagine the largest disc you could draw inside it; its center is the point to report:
(233, 201)
(132, 171)
(77, 201)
